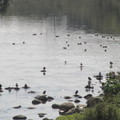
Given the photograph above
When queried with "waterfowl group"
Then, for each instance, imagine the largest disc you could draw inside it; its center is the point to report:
(16, 87)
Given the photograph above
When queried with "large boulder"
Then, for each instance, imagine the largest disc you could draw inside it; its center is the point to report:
(93, 101)
(42, 98)
(66, 106)
(19, 117)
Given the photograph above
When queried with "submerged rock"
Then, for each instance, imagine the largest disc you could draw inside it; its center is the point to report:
(67, 97)
(36, 102)
(19, 117)
(88, 96)
(31, 92)
(42, 98)
(41, 114)
(17, 107)
(50, 98)
(30, 107)
(77, 101)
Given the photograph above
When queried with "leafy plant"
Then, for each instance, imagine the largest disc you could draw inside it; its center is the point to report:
(102, 111)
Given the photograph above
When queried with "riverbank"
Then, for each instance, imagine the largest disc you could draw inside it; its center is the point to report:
(108, 102)
(107, 108)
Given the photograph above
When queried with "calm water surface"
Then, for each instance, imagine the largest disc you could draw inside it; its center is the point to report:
(74, 22)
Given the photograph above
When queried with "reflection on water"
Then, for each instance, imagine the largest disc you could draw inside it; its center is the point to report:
(91, 15)
(56, 35)
(3, 6)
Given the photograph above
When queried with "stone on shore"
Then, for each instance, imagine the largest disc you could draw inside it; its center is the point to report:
(72, 111)
(81, 106)
(93, 101)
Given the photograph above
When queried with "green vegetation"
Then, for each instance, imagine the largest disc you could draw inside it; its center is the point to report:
(107, 110)
(102, 111)
(71, 117)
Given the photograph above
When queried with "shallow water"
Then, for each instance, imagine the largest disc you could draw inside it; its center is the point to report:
(22, 63)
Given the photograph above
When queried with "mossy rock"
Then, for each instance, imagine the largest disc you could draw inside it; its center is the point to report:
(93, 101)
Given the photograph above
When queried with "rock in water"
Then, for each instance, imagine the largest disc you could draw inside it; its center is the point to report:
(42, 98)
(55, 106)
(19, 117)
(36, 102)
(88, 96)
(66, 106)
(41, 114)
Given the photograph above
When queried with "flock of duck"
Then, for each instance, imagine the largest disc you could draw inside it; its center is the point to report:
(89, 86)
(14, 88)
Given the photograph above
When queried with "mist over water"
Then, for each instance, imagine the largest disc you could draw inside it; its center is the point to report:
(46, 33)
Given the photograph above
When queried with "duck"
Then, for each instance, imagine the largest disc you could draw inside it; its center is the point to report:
(0, 86)
(57, 36)
(16, 88)
(44, 69)
(76, 92)
(13, 43)
(44, 92)
(81, 65)
(26, 86)
(23, 42)
(89, 78)
(111, 63)
(8, 88)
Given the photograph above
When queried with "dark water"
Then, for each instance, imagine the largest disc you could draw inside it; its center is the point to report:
(93, 16)
(75, 23)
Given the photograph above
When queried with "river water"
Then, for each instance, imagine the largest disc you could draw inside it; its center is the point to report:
(46, 33)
